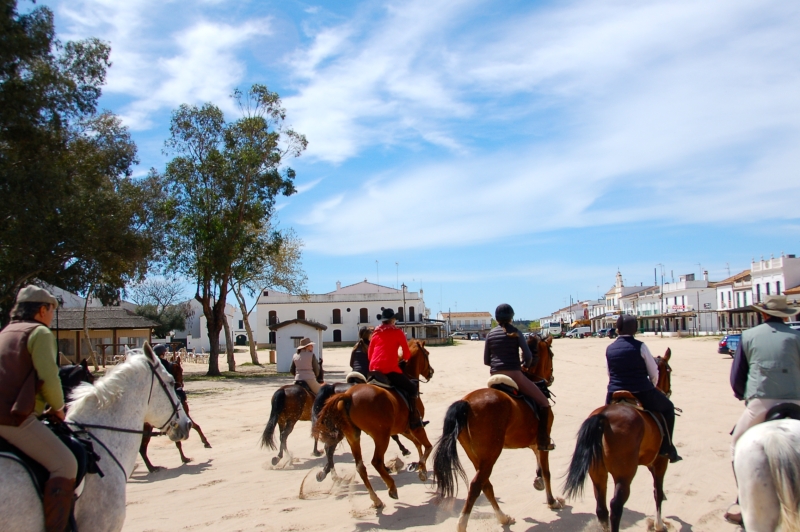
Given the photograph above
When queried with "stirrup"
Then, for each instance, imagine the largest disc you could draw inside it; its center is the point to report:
(734, 518)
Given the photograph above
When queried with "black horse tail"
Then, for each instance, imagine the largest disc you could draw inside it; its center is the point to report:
(278, 404)
(325, 392)
(588, 451)
(333, 419)
(446, 464)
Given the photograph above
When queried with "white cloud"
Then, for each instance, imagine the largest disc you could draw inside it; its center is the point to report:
(305, 187)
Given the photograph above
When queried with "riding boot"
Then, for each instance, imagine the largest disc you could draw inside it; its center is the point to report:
(414, 419)
(58, 495)
(543, 441)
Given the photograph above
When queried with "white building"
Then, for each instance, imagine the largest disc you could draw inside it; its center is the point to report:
(734, 296)
(689, 306)
(466, 321)
(774, 276)
(196, 332)
(288, 335)
(345, 310)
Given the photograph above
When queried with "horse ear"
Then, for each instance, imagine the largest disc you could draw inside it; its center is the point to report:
(423, 342)
(85, 364)
(667, 354)
(549, 340)
(148, 350)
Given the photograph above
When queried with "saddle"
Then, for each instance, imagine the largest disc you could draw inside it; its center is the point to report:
(376, 378)
(304, 385)
(355, 377)
(624, 397)
(506, 384)
(783, 411)
(82, 449)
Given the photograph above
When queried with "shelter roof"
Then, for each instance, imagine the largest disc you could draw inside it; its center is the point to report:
(314, 324)
(98, 318)
(741, 276)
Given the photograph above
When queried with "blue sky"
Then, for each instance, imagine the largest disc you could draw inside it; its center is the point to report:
(514, 152)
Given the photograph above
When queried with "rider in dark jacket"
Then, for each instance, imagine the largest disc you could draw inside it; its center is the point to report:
(359, 359)
(501, 354)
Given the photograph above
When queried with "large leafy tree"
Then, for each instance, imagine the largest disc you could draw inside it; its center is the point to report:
(70, 214)
(161, 301)
(221, 187)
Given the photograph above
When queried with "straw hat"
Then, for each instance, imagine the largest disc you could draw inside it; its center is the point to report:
(305, 342)
(776, 306)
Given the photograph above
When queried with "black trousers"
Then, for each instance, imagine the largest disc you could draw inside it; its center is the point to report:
(655, 401)
(400, 381)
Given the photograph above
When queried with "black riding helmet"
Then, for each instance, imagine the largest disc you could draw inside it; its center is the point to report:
(159, 349)
(504, 313)
(627, 325)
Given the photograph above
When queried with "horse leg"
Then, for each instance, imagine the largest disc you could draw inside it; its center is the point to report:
(543, 457)
(147, 433)
(203, 438)
(475, 487)
(599, 475)
(381, 444)
(286, 429)
(538, 483)
(420, 439)
(658, 470)
(502, 518)
(355, 447)
(622, 490)
(185, 459)
(403, 450)
(761, 508)
(328, 467)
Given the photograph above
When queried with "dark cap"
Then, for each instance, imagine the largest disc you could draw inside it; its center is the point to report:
(386, 315)
(159, 349)
(627, 325)
(504, 312)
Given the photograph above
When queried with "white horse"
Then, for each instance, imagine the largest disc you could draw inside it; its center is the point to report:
(767, 465)
(135, 392)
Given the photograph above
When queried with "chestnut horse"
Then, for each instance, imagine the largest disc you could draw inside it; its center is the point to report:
(477, 422)
(380, 413)
(617, 439)
(177, 374)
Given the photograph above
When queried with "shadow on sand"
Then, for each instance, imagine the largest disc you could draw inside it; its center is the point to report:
(142, 476)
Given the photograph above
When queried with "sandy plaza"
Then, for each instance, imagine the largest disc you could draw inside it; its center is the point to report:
(234, 486)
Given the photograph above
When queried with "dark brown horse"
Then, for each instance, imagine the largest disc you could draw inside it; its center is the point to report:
(485, 422)
(617, 439)
(177, 373)
(380, 413)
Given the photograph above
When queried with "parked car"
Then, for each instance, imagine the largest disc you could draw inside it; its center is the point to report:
(794, 324)
(579, 332)
(607, 333)
(729, 343)
(459, 334)
(474, 336)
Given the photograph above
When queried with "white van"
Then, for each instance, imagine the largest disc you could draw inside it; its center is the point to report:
(579, 332)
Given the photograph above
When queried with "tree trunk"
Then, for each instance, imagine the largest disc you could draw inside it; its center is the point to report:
(229, 343)
(246, 318)
(86, 332)
(213, 326)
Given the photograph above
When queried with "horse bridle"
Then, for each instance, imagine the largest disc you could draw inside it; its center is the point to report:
(175, 406)
(430, 368)
(667, 370)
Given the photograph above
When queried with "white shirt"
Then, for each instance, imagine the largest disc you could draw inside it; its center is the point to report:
(649, 362)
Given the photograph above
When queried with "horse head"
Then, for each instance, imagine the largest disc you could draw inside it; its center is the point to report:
(164, 410)
(664, 373)
(419, 365)
(544, 368)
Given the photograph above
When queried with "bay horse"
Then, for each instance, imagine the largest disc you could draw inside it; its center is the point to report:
(485, 422)
(617, 439)
(147, 433)
(381, 413)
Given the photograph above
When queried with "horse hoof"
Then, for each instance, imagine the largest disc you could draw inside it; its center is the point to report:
(557, 504)
(317, 453)
(378, 504)
(412, 466)
(406, 452)
(321, 476)
(207, 445)
(507, 520)
(538, 484)
(155, 468)
(423, 476)
(393, 493)
(186, 460)
(275, 460)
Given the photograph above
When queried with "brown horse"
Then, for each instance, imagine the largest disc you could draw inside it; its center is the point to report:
(380, 413)
(617, 439)
(177, 374)
(477, 422)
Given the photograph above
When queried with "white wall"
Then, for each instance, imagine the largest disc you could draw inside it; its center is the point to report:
(285, 348)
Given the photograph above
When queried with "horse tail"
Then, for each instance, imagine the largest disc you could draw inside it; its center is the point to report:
(588, 451)
(784, 465)
(446, 464)
(333, 419)
(278, 404)
(325, 392)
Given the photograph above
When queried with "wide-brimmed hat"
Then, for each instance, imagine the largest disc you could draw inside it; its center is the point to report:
(34, 294)
(305, 342)
(775, 306)
(386, 315)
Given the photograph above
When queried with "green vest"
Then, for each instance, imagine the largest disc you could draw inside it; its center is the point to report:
(773, 355)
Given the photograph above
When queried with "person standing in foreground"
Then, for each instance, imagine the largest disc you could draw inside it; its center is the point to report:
(501, 353)
(28, 380)
(765, 370)
(632, 367)
(383, 352)
(306, 365)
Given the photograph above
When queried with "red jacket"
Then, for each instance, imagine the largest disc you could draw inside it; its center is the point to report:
(383, 349)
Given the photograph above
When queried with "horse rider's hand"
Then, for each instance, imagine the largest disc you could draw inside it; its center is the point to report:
(58, 414)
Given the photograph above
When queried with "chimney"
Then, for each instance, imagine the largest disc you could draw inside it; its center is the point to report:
(338, 285)
(705, 275)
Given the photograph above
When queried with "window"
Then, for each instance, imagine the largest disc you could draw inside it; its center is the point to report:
(273, 318)
(738, 302)
(272, 337)
(337, 317)
(400, 314)
(767, 284)
(241, 324)
(758, 293)
(363, 315)
(410, 313)
(301, 314)
(777, 288)
(722, 298)
(296, 340)
(266, 293)
(337, 335)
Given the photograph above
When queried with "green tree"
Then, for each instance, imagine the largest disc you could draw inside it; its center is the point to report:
(70, 214)
(160, 301)
(221, 186)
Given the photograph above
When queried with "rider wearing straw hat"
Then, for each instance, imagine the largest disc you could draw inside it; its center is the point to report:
(766, 368)
(306, 365)
(28, 379)
(384, 347)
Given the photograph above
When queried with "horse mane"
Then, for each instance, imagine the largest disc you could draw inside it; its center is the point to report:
(108, 388)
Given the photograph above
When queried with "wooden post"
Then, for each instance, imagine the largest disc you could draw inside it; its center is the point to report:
(113, 344)
(78, 356)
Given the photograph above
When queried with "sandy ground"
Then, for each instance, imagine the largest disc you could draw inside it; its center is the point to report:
(233, 486)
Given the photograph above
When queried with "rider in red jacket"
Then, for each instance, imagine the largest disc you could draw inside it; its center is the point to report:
(383, 355)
